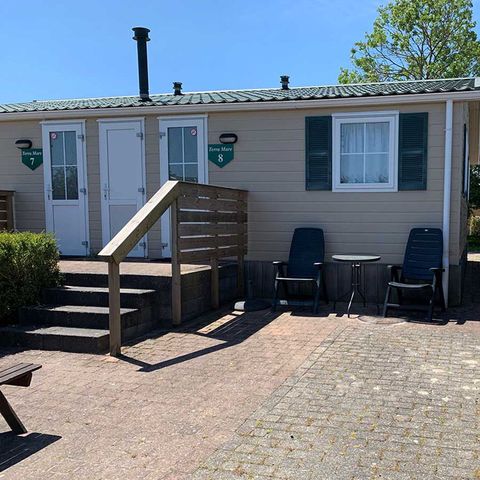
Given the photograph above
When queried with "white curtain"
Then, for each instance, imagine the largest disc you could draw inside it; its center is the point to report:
(364, 153)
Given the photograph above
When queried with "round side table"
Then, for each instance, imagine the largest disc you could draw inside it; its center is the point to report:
(356, 262)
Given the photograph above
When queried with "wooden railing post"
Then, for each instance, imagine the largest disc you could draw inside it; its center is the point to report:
(7, 211)
(176, 268)
(242, 247)
(214, 273)
(114, 308)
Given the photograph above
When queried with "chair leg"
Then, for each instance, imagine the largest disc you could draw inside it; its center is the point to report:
(387, 298)
(324, 289)
(276, 286)
(431, 305)
(442, 297)
(317, 295)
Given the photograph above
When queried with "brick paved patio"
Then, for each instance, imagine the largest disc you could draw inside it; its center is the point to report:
(258, 396)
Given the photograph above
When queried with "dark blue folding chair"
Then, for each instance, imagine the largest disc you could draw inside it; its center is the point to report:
(421, 271)
(305, 265)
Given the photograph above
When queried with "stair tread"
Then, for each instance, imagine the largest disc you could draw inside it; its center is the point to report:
(75, 288)
(54, 330)
(79, 309)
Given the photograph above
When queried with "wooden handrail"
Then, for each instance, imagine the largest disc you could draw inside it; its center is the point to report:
(207, 223)
(121, 244)
(7, 211)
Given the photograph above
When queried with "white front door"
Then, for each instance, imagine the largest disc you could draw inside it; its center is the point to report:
(65, 173)
(122, 176)
(183, 143)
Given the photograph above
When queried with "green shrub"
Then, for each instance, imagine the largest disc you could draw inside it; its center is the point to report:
(28, 264)
(475, 226)
(475, 187)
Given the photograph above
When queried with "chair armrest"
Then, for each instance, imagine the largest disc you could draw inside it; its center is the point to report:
(437, 274)
(318, 264)
(394, 271)
(278, 266)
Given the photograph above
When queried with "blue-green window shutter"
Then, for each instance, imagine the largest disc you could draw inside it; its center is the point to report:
(413, 151)
(318, 153)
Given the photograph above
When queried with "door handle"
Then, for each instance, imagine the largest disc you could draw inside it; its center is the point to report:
(106, 191)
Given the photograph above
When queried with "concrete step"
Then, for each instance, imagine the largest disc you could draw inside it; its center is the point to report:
(98, 296)
(76, 316)
(67, 339)
(156, 282)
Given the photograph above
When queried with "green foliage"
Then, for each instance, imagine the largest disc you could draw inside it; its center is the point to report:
(28, 264)
(474, 187)
(416, 40)
(475, 227)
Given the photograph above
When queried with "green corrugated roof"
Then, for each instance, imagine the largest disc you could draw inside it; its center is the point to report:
(258, 95)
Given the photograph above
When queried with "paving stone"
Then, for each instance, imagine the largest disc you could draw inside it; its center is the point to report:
(376, 402)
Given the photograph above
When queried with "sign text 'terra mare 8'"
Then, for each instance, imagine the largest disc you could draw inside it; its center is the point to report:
(220, 154)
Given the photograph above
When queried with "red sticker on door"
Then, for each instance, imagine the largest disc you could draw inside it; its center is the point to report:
(193, 131)
(53, 135)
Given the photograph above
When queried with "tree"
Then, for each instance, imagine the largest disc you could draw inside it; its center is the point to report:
(475, 187)
(416, 40)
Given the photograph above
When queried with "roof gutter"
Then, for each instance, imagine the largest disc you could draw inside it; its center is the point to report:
(244, 107)
(447, 189)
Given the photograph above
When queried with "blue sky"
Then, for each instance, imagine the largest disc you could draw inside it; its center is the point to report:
(67, 49)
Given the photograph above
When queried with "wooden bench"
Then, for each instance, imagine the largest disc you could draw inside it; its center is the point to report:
(21, 376)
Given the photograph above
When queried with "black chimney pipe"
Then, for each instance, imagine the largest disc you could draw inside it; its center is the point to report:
(141, 37)
(284, 80)
(177, 88)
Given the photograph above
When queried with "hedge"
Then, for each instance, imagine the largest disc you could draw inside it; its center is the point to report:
(28, 264)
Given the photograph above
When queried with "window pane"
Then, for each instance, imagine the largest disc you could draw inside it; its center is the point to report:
(58, 183)
(376, 168)
(191, 173)
(190, 144)
(56, 148)
(175, 145)
(70, 148)
(377, 137)
(175, 172)
(351, 137)
(72, 183)
(351, 168)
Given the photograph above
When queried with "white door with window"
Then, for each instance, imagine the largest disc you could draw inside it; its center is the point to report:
(183, 143)
(66, 202)
(122, 176)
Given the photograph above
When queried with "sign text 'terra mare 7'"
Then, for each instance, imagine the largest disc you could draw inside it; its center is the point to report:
(32, 157)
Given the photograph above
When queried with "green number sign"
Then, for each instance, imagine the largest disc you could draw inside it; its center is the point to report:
(32, 157)
(220, 154)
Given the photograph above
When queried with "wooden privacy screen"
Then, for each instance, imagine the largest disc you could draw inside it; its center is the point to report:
(208, 223)
(211, 223)
(6, 210)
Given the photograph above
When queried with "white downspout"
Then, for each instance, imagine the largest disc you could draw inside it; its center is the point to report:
(447, 188)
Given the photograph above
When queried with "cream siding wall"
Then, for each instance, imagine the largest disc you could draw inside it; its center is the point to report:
(270, 163)
(14, 175)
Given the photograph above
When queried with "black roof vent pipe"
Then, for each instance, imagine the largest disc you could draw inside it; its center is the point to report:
(141, 37)
(284, 80)
(177, 88)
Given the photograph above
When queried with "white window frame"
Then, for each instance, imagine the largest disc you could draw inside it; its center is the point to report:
(365, 117)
